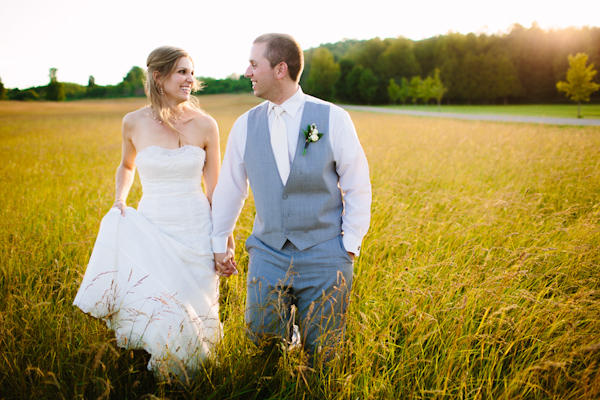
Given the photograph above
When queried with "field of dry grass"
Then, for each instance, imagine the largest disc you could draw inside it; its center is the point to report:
(478, 279)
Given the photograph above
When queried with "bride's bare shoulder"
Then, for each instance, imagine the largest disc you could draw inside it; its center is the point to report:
(135, 116)
(202, 121)
(134, 122)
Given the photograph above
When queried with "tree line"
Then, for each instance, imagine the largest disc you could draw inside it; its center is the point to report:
(522, 66)
(132, 85)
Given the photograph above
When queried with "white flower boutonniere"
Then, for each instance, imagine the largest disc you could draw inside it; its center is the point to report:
(311, 134)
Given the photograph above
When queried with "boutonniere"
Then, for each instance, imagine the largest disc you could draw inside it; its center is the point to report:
(311, 134)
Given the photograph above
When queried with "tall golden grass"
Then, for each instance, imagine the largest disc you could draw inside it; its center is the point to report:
(478, 279)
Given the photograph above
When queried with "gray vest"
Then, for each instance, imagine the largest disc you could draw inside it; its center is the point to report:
(308, 209)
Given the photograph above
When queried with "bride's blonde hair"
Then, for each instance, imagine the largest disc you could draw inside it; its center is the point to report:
(164, 61)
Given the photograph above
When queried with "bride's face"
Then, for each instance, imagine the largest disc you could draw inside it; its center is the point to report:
(178, 85)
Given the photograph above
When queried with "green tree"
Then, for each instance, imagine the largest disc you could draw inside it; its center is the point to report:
(394, 91)
(579, 85)
(414, 89)
(475, 76)
(506, 79)
(96, 91)
(404, 91)
(55, 91)
(74, 91)
(133, 83)
(425, 90)
(124, 89)
(2, 91)
(399, 59)
(532, 54)
(450, 51)
(231, 84)
(23, 95)
(352, 84)
(91, 87)
(341, 89)
(426, 55)
(437, 88)
(324, 73)
(367, 85)
(369, 54)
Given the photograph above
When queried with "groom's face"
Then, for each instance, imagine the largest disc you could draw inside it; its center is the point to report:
(261, 74)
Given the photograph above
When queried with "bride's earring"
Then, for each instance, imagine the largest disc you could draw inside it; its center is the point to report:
(162, 92)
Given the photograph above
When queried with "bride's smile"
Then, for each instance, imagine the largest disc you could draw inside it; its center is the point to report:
(178, 85)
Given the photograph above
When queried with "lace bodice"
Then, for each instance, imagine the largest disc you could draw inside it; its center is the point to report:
(171, 172)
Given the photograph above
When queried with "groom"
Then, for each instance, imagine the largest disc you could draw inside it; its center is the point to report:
(310, 180)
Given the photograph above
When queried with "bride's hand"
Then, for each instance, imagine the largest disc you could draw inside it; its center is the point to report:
(120, 204)
(231, 245)
(230, 258)
(225, 265)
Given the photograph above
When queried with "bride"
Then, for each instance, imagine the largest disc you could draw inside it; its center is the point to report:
(151, 275)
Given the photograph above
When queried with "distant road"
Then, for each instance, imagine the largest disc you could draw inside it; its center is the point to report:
(480, 117)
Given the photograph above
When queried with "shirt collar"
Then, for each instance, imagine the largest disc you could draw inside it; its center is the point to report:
(291, 105)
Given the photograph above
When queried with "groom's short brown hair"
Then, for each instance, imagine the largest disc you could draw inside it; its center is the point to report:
(282, 47)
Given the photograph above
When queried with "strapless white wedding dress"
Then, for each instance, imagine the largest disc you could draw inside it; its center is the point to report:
(151, 274)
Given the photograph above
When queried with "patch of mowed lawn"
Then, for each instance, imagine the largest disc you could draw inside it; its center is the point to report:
(478, 278)
(590, 111)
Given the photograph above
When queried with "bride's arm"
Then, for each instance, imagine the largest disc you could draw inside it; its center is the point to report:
(212, 167)
(126, 170)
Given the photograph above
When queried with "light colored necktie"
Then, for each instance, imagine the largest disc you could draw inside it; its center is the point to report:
(279, 143)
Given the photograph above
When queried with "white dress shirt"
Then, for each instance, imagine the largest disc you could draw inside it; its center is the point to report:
(351, 166)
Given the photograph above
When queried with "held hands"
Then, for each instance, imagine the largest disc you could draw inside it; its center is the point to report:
(225, 264)
(120, 204)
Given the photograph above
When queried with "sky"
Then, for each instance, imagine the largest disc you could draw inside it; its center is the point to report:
(106, 38)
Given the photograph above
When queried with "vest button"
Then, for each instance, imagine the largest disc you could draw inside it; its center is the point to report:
(287, 233)
(286, 215)
(284, 196)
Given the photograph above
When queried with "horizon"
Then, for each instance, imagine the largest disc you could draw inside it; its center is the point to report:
(241, 74)
(106, 40)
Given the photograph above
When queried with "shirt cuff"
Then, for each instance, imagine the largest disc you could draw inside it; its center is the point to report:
(219, 244)
(352, 243)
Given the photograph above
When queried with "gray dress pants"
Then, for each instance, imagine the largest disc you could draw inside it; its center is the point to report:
(317, 281)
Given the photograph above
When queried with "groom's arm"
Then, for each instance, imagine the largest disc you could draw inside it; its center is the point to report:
(232, 187)
(353, 171)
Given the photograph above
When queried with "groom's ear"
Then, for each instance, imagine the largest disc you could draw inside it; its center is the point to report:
(281, 70)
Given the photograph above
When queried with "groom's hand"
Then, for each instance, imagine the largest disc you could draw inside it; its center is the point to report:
(225, 265)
